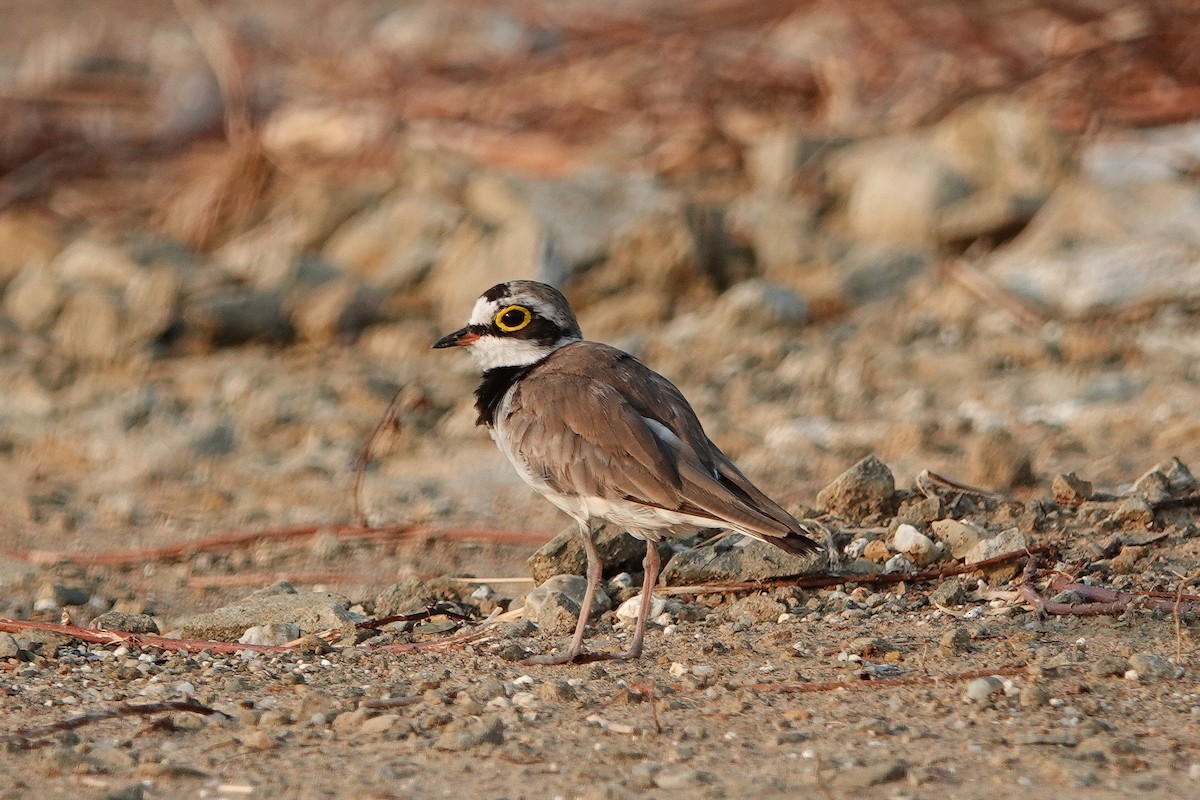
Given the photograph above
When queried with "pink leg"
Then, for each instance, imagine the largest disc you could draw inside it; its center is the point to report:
(594, 568)
(650, 564)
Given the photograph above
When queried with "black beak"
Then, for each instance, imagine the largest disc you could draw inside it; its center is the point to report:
(462, 337)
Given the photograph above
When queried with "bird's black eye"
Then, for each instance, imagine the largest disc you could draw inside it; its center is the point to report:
(513, 318)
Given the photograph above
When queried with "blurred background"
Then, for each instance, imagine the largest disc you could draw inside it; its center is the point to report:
(962, 236)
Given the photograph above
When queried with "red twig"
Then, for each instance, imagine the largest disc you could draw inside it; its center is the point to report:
(1100, 601)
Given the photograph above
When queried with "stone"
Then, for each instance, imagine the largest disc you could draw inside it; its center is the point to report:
(89, 327)
(1107, 666)
(29, 241)
(1153, 667)
(917, 546)
(121, 621)
(736, 559)
(467, 733)
(1007, 541)
(272, 634)
(1133, 511)
(413, 594)
(996, 460)
(9, 648)
(1152, 487)
(954, 642)
(630, 609)
(761, 306)
(33, 299)
(226, 317)
(1070, 489)
(564, 554)
(311, 612)
(876, 272)
(893, 190)
(555, 604)
(332, 310)
(1116, 246)
(982, 690)
(308, 129)
(65, 595)
(876, 550)
(865, 491)
(779, 231)
(383, 723)
(853, 779)
(949, 592)
(960, 537)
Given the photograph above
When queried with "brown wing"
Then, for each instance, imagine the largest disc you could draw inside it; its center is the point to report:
(608, 426)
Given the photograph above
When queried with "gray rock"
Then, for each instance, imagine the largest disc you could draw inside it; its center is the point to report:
(1153, 667)
(876, 272)
(272, 634)
(864, 777)
(779, 230)
(949, 592)
(331, 310)
(71, 595)
(954, 642)
(679, 778)
(736, 560)
(982, 690)
(464, 734)
(9, 648)
(564, 554)
(1152, 487)
(413, 594)
(1107, 666)
(311, 612)
(761, 306)
(226, 317)
(996, 460)
(865, 491)
(121, 621)
(1132, 511)
(1114, 245)
(911, 542)
(1179, 477)
(216, 442)
(556, 604)
(1007, 541)
(960, 537)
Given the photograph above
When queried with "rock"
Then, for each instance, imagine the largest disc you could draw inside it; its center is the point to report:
(865, 491)
(1132, 511)
(380, 724)
(679, 778)
(311, 612)
(949, 592)
(876, 272)
(899, 563)
(1126, 561)
(71, 595)
(760, 306)
(431, 32)
(1107, 666)
(413, 594)
(310, 130)
(464, 734)
(1070, 489)
(89, 327)
(995, 460)
(555, 604)
(1153, 667)
(121, 621)
(960, 537)
(893, 190)
(876, 551)
(332, 310)
(88, 261)
(954, 642)
(852, 779)
(1170, 478)
(1115, 245)
(393, 245)
(218, 441)
(1007, 541)
(736, 559)
(33, 299)
(778, 229)
(227, 317)
(564, 554)
(29, 241)
(272, 634)
(630, 609)
(917, 546)
(9, 648)
(1033, 697)
(1179, 477)
(920, 508)
(982, 690)
(1152, 487)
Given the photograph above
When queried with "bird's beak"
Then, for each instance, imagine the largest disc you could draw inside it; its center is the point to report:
(463, 337)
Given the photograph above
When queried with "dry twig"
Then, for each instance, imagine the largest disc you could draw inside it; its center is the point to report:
(388, 420)
(22, 736)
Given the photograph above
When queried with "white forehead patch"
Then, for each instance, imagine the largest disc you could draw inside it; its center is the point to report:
(485, 311)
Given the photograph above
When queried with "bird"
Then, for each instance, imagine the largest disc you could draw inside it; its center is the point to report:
(605, 439)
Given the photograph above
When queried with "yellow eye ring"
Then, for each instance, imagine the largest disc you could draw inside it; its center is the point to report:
(513, 318)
